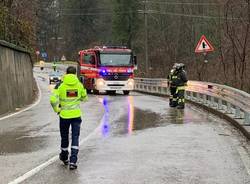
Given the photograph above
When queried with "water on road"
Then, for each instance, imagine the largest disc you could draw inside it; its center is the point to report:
(135, 139)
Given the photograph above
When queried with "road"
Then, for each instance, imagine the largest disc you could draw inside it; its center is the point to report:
(125, 140)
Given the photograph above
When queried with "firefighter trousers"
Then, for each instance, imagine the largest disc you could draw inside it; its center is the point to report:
(180, 92)
(173, 97)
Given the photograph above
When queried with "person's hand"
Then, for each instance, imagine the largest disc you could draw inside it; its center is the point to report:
(59, 111)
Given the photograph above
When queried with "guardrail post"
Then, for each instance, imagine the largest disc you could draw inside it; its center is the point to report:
(154, 89)
(149, 88)
(164, 90)
(212, 102)
(220, 107)
(199, 98)
(191, 96)
(141, 87)
(246, 118)
(237, 113)
(159, 90)
(229, 108)
(186, 94)
(204, 99)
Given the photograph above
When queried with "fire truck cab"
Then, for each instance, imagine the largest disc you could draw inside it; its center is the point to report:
(107, 68)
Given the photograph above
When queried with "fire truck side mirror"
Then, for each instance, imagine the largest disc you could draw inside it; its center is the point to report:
(79, 59)
(135, 60)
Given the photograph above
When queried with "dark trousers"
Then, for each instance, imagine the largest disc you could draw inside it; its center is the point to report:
(181, 98)
(65, 124)
(173, 97)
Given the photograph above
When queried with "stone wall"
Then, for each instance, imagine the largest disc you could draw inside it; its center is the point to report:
(16, 78)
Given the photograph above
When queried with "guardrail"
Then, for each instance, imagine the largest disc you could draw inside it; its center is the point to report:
(227, 100)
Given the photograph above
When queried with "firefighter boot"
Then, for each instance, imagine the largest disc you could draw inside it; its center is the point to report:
(174, 102)
(72, 166)
(170, 102)
(64, 157)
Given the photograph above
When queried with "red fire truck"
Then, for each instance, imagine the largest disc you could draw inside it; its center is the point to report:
(107, 68)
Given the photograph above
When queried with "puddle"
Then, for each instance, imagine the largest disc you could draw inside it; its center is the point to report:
(20, 142)
(141, 120)
(135, 119)
(144, 119)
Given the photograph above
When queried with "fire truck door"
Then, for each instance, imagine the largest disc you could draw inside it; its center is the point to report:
(88, 67)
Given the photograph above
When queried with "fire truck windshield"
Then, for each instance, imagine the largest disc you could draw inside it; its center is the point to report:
(115, 59)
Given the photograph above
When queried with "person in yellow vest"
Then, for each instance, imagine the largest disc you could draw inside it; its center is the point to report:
(54, 66)
(41, 63)
(65, 100)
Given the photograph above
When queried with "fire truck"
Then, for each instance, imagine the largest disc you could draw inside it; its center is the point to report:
(107, 68)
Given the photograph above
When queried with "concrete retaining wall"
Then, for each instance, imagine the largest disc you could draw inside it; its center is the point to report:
(16, 78)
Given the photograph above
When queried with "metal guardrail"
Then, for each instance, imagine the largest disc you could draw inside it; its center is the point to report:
(230, 101)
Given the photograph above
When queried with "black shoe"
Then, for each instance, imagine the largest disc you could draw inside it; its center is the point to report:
(180, 107)
(72, 166)
(65, 161)
(172, 105)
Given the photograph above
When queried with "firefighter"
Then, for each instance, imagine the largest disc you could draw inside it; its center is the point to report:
(54, 66)
(65, 100)
(172, 87)
(180, 82)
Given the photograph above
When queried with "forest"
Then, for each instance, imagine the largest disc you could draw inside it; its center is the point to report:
(161, 33)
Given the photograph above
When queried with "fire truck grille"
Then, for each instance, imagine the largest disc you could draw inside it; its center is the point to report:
(117, 76)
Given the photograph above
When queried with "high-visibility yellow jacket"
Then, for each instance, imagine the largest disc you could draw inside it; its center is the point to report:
(66, 97)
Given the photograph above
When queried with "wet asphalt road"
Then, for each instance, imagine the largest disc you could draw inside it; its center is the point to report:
(139, 139)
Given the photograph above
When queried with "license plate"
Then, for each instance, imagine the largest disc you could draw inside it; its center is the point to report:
(115, 87)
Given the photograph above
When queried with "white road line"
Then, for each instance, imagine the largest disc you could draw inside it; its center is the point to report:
(245, 158)
(28, 108)
(50, 161)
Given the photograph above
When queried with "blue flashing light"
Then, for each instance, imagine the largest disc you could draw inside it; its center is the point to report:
(103, 72)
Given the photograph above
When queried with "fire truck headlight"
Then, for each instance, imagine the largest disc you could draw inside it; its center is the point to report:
(131, 82)
(100, 82)
(129, 70)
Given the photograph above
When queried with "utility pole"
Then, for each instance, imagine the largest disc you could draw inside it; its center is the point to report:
(146, 35)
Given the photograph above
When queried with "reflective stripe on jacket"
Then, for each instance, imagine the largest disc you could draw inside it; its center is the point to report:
(66, 97)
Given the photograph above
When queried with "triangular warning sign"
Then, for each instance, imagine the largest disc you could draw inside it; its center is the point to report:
(204, 45)
(63, 58)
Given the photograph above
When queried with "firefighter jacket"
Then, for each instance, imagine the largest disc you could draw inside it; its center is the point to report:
(179, 78)
(66, 97)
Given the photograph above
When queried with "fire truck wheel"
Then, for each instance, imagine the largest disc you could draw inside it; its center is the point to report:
(96, 92)
(126, 92)
(88, 91)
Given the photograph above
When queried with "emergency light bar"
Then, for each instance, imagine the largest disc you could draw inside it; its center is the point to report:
(110, 47)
